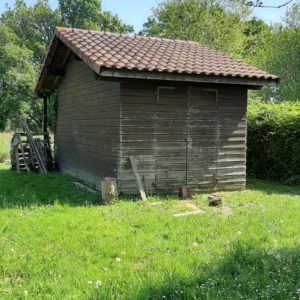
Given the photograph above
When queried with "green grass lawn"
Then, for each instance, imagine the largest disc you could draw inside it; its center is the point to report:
(57, 242)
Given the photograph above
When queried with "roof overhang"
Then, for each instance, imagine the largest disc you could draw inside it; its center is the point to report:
(249, 82)
(53, 67)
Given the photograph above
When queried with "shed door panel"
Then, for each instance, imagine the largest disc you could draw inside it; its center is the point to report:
(203, 136)
(171, 138)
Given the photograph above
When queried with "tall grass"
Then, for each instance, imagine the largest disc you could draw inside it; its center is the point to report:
(5, 138)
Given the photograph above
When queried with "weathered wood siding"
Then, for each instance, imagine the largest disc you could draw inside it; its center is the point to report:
(87, 130)
(183, 135)
(137, 135)
(217, 139)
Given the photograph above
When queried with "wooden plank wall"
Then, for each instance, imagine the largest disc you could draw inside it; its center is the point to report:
(87, 130)
(202, 149)
(232, 138)
(137, 133)
(217, 139)
(171, 138)
(193, 135)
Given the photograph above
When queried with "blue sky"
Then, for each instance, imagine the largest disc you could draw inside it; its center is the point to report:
(135, 12)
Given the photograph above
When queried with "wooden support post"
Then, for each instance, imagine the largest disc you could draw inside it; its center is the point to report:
(17, 159)
(138, 177)
(45, 117)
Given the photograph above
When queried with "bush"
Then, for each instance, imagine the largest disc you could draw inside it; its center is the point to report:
(274, 141)
(4, 146)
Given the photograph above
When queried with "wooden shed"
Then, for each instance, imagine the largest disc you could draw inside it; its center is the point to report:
(177, 106)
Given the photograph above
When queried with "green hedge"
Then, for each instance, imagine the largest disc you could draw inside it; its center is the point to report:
(274, 141)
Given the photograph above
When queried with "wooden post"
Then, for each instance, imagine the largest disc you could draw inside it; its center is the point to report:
(45, 117)
(17, 159)
(109, 190)
(183, 193)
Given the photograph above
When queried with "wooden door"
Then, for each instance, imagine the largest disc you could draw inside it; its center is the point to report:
(171, 138)
(203, 139)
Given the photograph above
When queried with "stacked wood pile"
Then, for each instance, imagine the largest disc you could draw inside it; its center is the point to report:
(30, 152)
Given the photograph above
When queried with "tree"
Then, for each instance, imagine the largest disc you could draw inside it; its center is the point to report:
(260, 3)
(80, 13)
(17, 77)
(26, 33)
(33, 25)
(110, 22)
(209, 22)
(255, 30)
(279, 54)
(87, 14)
(292, 16)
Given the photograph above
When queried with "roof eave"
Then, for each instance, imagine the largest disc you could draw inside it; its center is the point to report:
(252, 83)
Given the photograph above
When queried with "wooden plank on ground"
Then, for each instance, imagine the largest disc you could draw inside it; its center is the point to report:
(190, 213)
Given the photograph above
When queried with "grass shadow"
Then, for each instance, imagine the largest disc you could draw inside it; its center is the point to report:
(244, 272)
(28, 189)
(271, 187)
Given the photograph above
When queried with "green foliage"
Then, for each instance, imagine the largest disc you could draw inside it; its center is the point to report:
(278, 53)
(80, 13)
(274, 141)
(110, 22)
(255, 29)
(17, 77)
(5, 139)
(33, 25)
(56, 243)
(25, 34)
(87, 14)
(224, 25)
(292, 16)
(207, 22)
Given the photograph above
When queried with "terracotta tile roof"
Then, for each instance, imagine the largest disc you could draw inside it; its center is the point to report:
(120, 51)
(103, 50)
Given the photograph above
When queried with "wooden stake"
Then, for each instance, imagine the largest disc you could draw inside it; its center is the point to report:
(138, 177)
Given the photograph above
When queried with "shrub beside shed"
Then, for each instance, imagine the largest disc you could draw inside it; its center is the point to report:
(178, 107)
